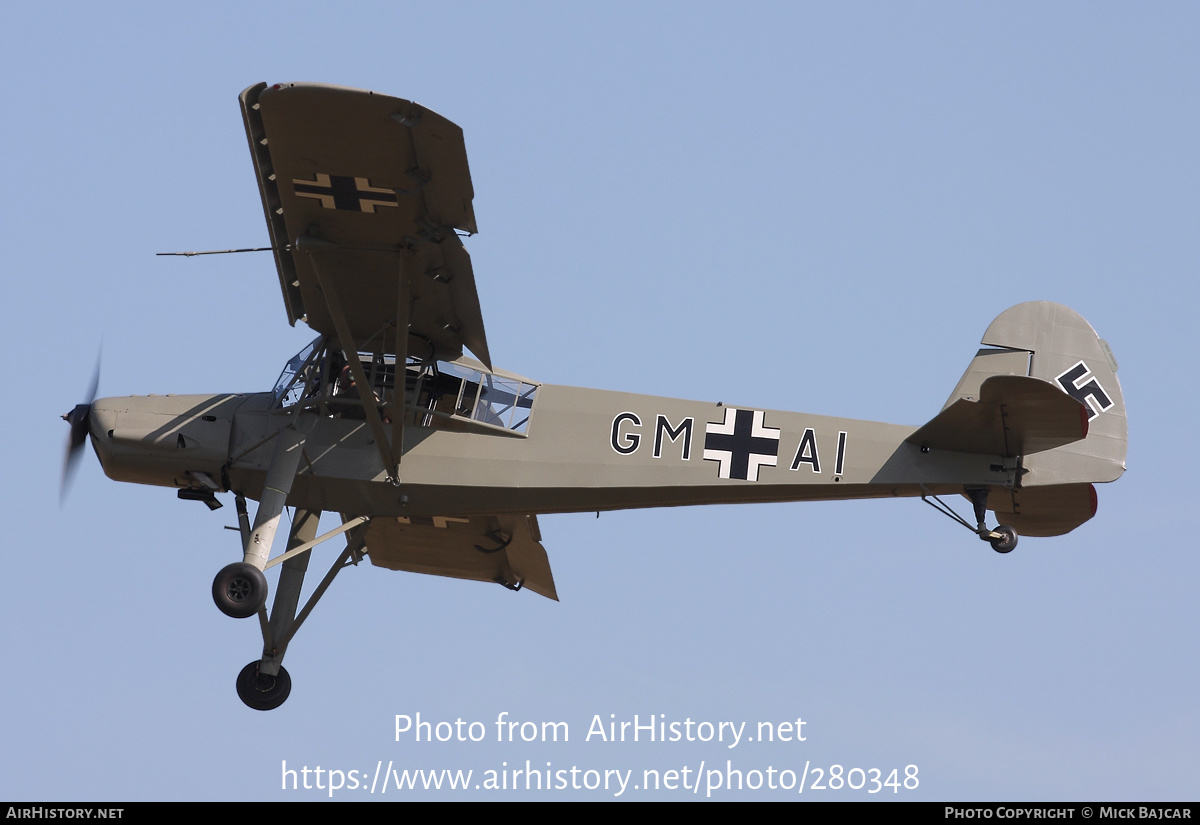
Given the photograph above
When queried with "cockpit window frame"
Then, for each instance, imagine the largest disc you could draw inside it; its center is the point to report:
(482, 398)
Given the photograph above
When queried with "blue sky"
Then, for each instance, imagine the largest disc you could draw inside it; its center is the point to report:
(797, 206)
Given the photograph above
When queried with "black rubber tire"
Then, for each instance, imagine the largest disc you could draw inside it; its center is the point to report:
(1008, 542)
(263, 692)
(239, 590)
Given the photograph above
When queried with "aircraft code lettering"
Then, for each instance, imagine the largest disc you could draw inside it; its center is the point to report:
(740, 443)
(625, 442)
(1090, 394)
(663, 427)
(343, 192)
(806, 453)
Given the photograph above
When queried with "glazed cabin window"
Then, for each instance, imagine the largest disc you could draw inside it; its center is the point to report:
(318, 377)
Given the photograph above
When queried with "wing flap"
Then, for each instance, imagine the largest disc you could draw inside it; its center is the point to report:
(505, 549)
(1015, 415)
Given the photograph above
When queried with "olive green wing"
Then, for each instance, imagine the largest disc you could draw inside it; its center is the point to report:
(364, 196)
(505, 549)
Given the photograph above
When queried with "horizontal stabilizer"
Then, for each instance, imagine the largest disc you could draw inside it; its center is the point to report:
(503, 549)
(1044, 511)
(1015, 415)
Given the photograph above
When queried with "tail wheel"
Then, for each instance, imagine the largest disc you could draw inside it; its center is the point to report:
(1007, 539)
(260, 691)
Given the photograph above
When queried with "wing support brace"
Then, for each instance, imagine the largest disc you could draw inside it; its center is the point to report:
(391, 457)
(403, 311)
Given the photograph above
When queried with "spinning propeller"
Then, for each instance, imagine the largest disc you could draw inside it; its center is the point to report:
(80, 419)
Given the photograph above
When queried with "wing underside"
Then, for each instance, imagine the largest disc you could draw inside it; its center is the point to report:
(364, 197)
(504, 549)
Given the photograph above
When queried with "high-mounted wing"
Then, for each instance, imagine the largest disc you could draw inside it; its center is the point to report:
(505, 549)
(363, 196)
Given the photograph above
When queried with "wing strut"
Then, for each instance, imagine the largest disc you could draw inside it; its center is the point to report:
(391, 464)
(399, 390)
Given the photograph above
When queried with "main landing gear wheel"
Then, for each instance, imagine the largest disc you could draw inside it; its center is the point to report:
(239, 590)
(1007, 540)
(262, 692)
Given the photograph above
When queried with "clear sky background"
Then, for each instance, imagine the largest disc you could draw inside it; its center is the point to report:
(812, 207)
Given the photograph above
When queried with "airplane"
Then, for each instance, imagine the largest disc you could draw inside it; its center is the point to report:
(439, 463)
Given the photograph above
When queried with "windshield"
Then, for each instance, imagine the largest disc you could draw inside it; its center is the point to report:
(290, 383)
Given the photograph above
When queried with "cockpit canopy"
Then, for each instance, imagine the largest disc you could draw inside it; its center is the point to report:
(436, 393)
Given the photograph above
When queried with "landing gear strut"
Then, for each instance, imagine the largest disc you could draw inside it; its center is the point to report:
(240, 590)
(1003, 539)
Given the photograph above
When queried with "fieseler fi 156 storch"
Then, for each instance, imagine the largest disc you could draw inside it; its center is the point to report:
(436, 462)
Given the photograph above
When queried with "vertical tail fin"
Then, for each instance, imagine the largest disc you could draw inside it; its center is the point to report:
(1065, 350)
(1054, 492)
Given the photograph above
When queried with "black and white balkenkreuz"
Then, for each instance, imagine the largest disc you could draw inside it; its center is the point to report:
(741, 443)
(344, 192)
